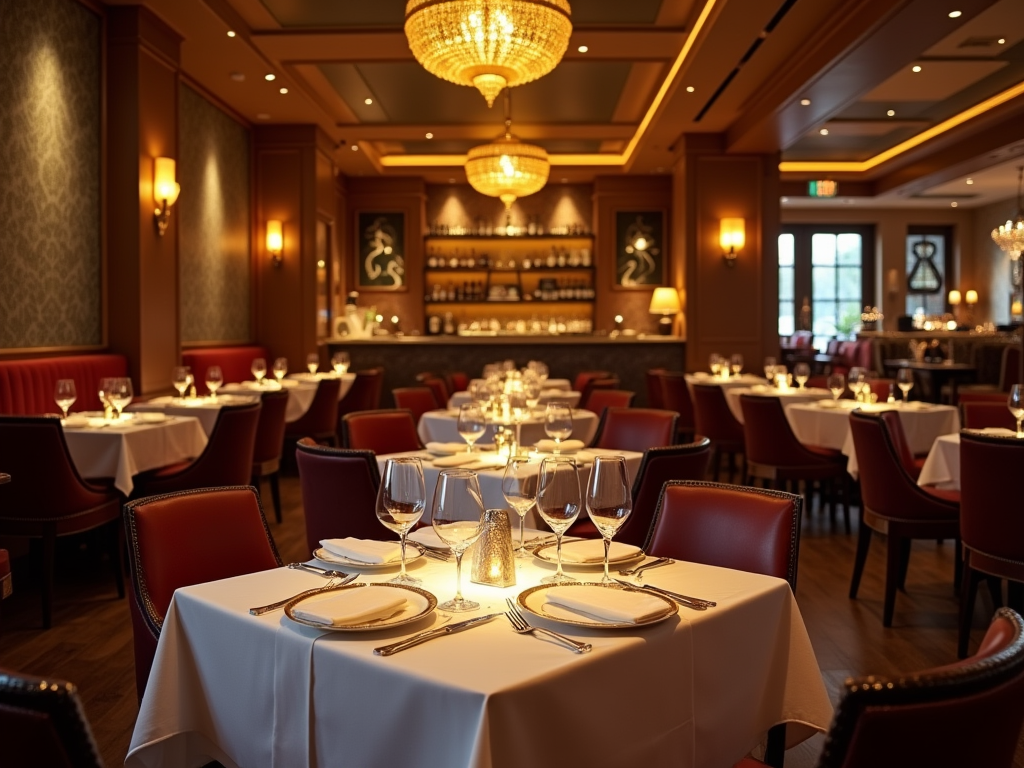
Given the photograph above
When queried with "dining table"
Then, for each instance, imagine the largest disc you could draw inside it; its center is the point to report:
(560, 384)
(301, 389)
(441, 426)
(137, 442)
(934, 376)
(942, 467)
(735, 381)
(206, 409)
(691, 689)
(788, 396)
(569, 397)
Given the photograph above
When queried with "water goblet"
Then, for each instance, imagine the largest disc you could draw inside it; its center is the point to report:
(836, 383)
(471, 424)
(457, 518)
(558, 501)
(857, 380)
(558, 422)
(801, 372)
(736, 364)
(280, 369)
(608, 500)
(519, 486)
(312, 363)
(259, 369)
(182, 379)
(105, 387)
(769, 369)
(121, 394)
(905, 381)
(1015, 402)
(339, 362)
(715, 361)
(401, 500)
(519, 409)
(214, 380)
(65, 395)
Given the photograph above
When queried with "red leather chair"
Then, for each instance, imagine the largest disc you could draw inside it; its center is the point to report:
(226, 460)
(655, 397)
(596, 384)
(600, 399)
(880, 388)
(47, 498)
(991, 524)
(714, 419)
(635, 429)
(979, 415)
(381, 431)
(320, 421)
(457, 381)
(190, 537)
(894, 505)
(440, 390)
(416, 400)
(363, 395)
(908, 460)
(919, 719)
(42, 723)
(269, 444)
(675, 396)
(775, 455)
(339, 492)
(584, 376)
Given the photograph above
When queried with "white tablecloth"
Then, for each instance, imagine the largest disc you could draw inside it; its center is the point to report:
(829, 427)
(205, 409)
(546, 396)
(744, 380)
(124, 449)
(700, 689)
(490, 482)
(301, 390)
(788, 396)
(942, 467)
(563, 384)
(441, 427)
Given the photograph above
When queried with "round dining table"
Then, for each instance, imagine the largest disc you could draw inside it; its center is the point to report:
(441, 427)
(788, 396)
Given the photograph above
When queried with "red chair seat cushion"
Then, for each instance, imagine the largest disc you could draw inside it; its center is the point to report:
(820, 450)
(947, 494)
(584, 529)
(170, 469)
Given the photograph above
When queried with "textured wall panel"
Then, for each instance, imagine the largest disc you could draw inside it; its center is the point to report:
(213, 234)
(50, 250)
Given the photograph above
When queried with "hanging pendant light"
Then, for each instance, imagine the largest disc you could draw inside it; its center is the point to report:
(507, 168)
(488, 44)
(1010, 236)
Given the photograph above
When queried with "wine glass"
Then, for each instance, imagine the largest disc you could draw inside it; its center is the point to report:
(1015, 402)
(182, 379)
(857, 379)
(401, 499)
(280, 368)
(519, 409)
(608, 500)
(836, 383)
(558, 422)
(106, 385)
(339, 362)
(736, 364)
(312, 363)
(121, 394)
(715, 362)
(458, 521)
(769, 369)
(519, 486)
(532, 391)
(259, 369)
(801, 372)
(471, 424)
(905, 381)
(65, 395)
(214, 380)
(558, 501)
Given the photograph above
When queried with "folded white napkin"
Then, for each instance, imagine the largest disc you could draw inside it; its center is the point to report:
(364, 550)
(592, 551)
(996, 431)
(428, 537)
(566, 446)
(351, 606)
(446, 448)
(615, 606)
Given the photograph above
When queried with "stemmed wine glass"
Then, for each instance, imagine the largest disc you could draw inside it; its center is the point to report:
(769, 369)
(736, 364)
(471, 424)
(182, 380)
(801, 372)
(401, 499)
(558, 422)
(458, 520)
(857, 379)
(905, 381)
(65, 395)
(105, 388)
(339, 362)
(519, 486)
(836, 383)
(608, 500)
(519, 409)
(1015, 402)
(716, 361)
(280, 369)
(121, 394)
(214, 380)
(259, 369)
(558, 501)
(312, 363)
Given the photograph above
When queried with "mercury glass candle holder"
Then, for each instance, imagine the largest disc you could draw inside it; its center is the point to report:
(494, 563)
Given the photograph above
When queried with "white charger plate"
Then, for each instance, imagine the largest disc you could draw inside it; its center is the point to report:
(532, 601)
(549, 554)
(420, 603)
(412, 553)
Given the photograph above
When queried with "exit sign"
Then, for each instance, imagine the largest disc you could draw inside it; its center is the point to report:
(823, 188)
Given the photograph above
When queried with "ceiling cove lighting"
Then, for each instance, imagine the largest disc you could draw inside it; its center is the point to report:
(488, 44)
(1010, 236)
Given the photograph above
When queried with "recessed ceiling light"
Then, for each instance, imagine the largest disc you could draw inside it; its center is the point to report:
(805, 102)
(953, 204)
(916, 68)
(270, 76)
(284, 90)
(262, 116)
(955, 14)
(583, 49)
(237, 76)
(1001, 41)
(970, 181)
(891, 113)
(355, 147)
(689, 89)
(367, 102)
(231, 33)
(430, 135)
(823, 131)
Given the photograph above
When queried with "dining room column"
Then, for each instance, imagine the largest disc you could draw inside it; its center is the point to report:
(141, 266)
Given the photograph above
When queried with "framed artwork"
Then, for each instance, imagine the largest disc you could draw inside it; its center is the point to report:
(639, 249)
(380, 245)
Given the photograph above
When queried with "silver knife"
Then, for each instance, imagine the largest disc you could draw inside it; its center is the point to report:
(689, 602)
(430, 634)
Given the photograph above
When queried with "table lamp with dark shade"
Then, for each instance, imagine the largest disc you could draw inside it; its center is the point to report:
(665, 302)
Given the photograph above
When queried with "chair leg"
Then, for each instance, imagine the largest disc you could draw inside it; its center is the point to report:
(958, 565)
(49, 547)
(995, 588)
(275, 495)
(117, 544)
(716, 464)
(893, 565)
(1015, 595)
(863, 542)
(968, 591)
(775, 749)
(844, 486)
(904, 562)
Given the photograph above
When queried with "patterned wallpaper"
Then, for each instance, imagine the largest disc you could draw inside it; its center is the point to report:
(213, 233)
(50, 249)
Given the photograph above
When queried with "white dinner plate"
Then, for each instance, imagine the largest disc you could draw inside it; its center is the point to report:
(412, 552)
(549, 554)
(532, 601)
(420, 603)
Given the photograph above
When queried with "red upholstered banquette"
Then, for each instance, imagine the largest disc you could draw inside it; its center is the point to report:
(234, 362)
(26, 386)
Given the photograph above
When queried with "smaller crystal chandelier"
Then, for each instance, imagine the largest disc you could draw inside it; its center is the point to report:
(1010, 236)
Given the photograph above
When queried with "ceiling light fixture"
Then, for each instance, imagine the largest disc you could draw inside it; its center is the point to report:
(823, 131)
(954, 204)
(970, 181)
(583, 49)
(355, 147)
(231, 33)
(488, 44)
(805, 102)
(270, 76)
(1001, 41)
(1010, 236)
(916, 68)
(367, 102)
(689, 89)
(955, 14)
(891, 113)
(430, 135)
(283, 90)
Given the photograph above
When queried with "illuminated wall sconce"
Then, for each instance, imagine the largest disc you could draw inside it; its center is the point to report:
(275, 241)
(165, 191)
(971, 297)
(665, 302)
(732, 238)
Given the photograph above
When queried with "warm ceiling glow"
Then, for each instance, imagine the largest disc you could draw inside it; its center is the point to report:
(954, 204)
(823, 131)
(270, 76)
(430, 135)
(955, 14)
(891, 113)
(367, 102)
(583, 49)
(916, 68)
(689, 89)
(1001, 41)
(355, 147)
(805, 102)
(231, 33)
(970, 181)
(507, 169)
(284, 90)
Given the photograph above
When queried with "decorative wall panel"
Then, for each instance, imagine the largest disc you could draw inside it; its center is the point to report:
(213, 232)
(50, 249)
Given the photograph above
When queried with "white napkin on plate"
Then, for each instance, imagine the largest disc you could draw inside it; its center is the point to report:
(351, 606)
(566, 446)
(446, 448)
(428, 537)
(615, 606)
(364, 550)
(592, 551)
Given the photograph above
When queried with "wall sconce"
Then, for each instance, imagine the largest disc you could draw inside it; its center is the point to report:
(954, 298)
(275, 241)
(971, 297)
(165, 191)
(732, 238)
(665, 302)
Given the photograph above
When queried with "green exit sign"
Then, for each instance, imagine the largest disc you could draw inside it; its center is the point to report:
(822, 188)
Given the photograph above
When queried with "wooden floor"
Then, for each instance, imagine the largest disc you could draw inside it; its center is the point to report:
(90, 643)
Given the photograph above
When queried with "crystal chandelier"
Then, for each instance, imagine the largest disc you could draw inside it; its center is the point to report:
(1010, 236)
(489, 44)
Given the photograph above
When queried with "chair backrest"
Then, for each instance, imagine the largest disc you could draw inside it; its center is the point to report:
(658, 466)
(364, 394)
(767, 436)
(321, 418)
(655, 398)
(990, 509)
(600, 399)
(416, 400)
(381, 431)
(270, 427)
(339, 492)
(964, 714)
(748, 529)
(457, 381)
(978, 415)
(185, 538)
(584, 376)
(894, 427)
(712, 416)
(42, 723)
(596, 384)
(440, 390)
(880, 388)
(675, 396)
(636, 429)
(1009, 368)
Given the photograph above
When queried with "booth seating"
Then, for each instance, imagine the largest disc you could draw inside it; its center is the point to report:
(850, 354)
(27, 386)
(235, 362)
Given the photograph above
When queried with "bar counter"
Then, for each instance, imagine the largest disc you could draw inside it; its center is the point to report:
(627, 357)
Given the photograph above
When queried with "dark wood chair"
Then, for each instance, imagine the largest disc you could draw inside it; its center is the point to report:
(320, 421)
(363, 395)
(269, 444)
(635, 429)
(715, 420)
(592, 385)
(600, 399)
(381, 431)
(655, 396)
(440, 390)
(416, 400)
(675, 396)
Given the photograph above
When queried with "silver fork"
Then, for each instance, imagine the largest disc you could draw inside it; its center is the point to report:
(327, 574)
(334, 582)
(523, 627)
(640, 569)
